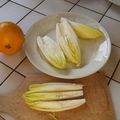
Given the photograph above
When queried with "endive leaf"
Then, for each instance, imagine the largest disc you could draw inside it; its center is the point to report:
(68, 41)
(55, 106)
(51, 51)
(86, 32)
(36, 96)
(54, 86)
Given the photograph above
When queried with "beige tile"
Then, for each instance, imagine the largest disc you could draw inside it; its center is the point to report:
(27, 68)
(117, 74)
(28, 3)
(114, 12)
(80, 10)
(28, 21)
(12, 12)
(99, 6)
(4, 72)
(114, 91)
(3, 2)
(12, 60)
(109, 67)
(11, 84)
(113, 28)
(73, 1)
(54, 6)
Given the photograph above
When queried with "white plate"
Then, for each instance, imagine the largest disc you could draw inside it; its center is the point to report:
(95, 53)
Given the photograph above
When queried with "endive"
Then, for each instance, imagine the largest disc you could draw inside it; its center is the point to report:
(55, 106)
(54, 86)
(51, 51)
(84, 31)
(68, 41)
(36, 96)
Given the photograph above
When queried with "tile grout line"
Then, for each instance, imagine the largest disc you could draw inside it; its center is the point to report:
(69, 2)
(93, 11)
(20, 5)
(114, 72)
(112, 18)
(14, 70)
(28, 8)
(73, 6)
(115, 45)
(89, 9)
(29, 11)
(4, 3)
(2, 118)
(105, 12)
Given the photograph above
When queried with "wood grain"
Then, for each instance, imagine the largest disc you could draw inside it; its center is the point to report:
(97, 107)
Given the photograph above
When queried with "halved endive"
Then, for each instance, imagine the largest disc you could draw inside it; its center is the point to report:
(68, 41)
(85, 31)
(54, 97)
(54, 87)
(51, 51)
(56, 106)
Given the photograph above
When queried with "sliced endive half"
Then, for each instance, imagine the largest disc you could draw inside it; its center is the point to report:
(52, 51)
(84, 31)
(68, 41)
(37, 96)
(54, 86)
(56, 106)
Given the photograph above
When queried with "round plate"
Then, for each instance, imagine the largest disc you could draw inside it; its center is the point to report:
(95, 53)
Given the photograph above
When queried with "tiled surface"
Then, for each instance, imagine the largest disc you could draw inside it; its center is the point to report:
(2, 2)
(117, 74)
(100, 6)
(54, 6)
(12, 60)
(26, 68)
(26, 23)
(72, 1)
(112, 62)
(12, 11)
(28, 3)
(113, 28)
(11, 83)
(4, 72)
(78, 10)
(114, 12)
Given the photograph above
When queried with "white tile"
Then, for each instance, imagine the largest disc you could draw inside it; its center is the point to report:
(54, 6)
(12, 12)
(109, 67)
(4, 72)
(28, 3)
(117, 74)
(29, 20)
(2, 2)
(12, 60)
(73, 1)
(114, 90)
(99, 6)
(11, 84)
(113, 28)
(114, 12)
(27, 68)
(80, 10)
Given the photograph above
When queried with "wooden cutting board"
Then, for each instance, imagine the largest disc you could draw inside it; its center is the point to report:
(98, 103)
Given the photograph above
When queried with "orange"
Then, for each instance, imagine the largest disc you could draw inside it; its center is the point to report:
(11, 38)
